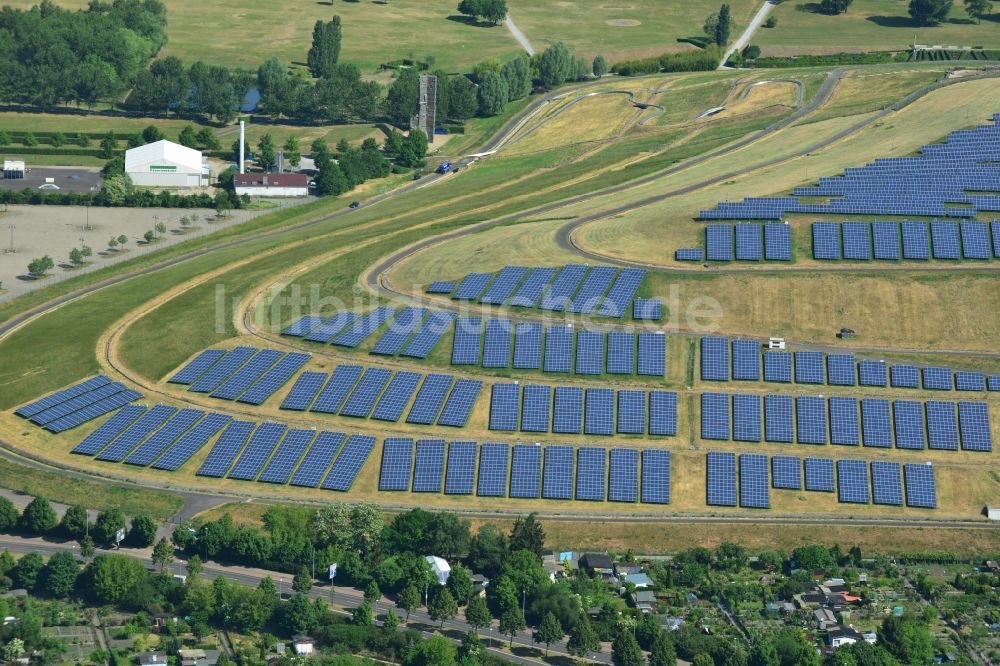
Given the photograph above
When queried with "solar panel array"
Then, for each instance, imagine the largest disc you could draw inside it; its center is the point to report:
(526, 471)
(330, 328)
(714, 359)
(647, 309)
(399, 331)
(721, 483)
(77, 404)
(754, 488)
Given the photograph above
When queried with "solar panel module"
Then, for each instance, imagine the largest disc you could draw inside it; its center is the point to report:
(655, 477)
(557, 480)
(721, 484)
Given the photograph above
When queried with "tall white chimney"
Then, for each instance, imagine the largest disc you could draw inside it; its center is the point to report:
(242, 145)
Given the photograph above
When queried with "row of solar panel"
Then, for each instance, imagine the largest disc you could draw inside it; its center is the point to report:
(243, 374)
(738, 417)
(786, 471)
(165, 438)
(77, 404)
(746, 364)
(532, 471)
(753, 242)
(855, 240)
(533, 408)
(380, 394)
(579, 289)
(411, 333)
(624, 353)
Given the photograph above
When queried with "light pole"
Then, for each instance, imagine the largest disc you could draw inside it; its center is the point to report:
(11, 227)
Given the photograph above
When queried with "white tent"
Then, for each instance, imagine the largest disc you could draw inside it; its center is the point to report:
(166, 164)
(441, 568)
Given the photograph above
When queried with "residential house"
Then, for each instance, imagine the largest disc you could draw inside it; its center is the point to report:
(644, 600)
(597, 564)
(152, 659)
(192, 657)
(626, 568)
(824, 618)
(640, 580)
(839, 636)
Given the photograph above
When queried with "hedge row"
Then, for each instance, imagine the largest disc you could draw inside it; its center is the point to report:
(832, 59)
(136, 199)
(40, 150)
(686, 61)
(70, 134)
(947, 55)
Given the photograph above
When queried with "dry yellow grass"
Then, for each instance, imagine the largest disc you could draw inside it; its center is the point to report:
(760, 96)
(592, 118)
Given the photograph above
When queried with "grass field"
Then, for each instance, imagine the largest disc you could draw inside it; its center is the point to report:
(869, 25)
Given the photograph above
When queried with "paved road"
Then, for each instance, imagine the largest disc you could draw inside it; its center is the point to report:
(747, 34)
(521, 38)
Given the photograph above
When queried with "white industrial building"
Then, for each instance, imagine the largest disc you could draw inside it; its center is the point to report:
(271, 184)
(166, 164)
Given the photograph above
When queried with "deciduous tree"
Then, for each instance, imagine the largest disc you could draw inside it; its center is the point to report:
(549, 631)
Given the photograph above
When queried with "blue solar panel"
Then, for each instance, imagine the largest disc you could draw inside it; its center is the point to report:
(149, 423)
(247, 375)
(655, 477)
(589, 353)
(286, 458)
(826, 240)
(746, 418)
(331, 327)
(528, 346)
(472, 286)
(317, 461)
(857, 241)
(777, 242)
(507, 280)
(492, 470)
(786, 472)
(875, 426)
(535, 408)
(995, 233)
(652, 354)
(647, 309)
(197, 366)
(350, 461)
(335, 392)
(938, 379)
(397, 459)
(942, 428)
(974, 426)
(559, 294)
(592, 290)
(430, 397)
(754, 489)
(819, 475)
(662, 413)
(441, 287)
(852, 481)
(886, 238)
(590, 474)
(361, 328)
(364, 395)
(428, 466)
(840, 369)
(689, 254)
(496, 343)
(944, 240)
(224, 367)
(567, 411)
(904, 376)
(886, 487)
(872, 373)
(229, 444)
(504, 401)
(778, 418)
(526, 471)
(468, 336)
(908, 421)
(459, 404)
(558, 348)
(76, 405)
(748, 242)
(714, 359)
(530, 291)
(460, 477)
(746, 360)
(257, 451)
(399, 331)
(93, 410)
(975, 240)
(714, 416)
(425, 339)
(304, 391)
(721, 483)
(623, 476)
(632, 412)
(53, 399)
(557, 479)
(915, 244)
(111, 428)
(969, 381)
(844, 421)
(777, 366)
(599, 412)
(719, 242)
(621, 353)
(397, 396)
(621, 293)
(810, 420)
(808, 367)
(157, 443)
(302, 326)
(920, 489)
(274, 379)
(190, 442)
(993, 383)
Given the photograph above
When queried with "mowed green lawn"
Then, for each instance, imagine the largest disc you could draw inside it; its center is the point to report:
(867, 26)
